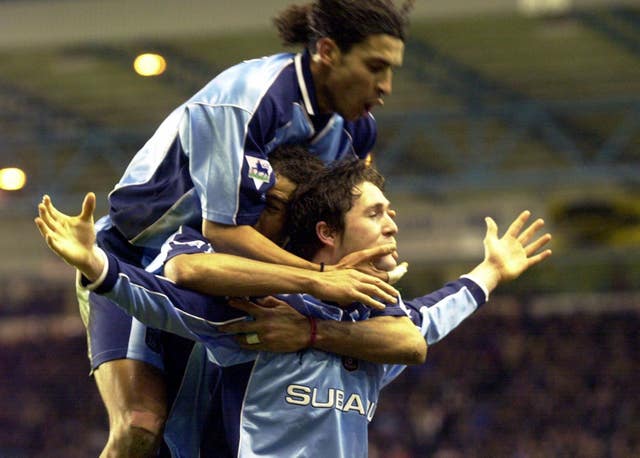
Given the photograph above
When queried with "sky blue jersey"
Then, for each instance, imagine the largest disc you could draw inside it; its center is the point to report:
(309, 403)
(209, 158)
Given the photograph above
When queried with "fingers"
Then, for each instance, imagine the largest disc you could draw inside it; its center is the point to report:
(244, 305)
(369, 254)
(492, 228)
(375, 287)
(518, 223)
(530, 231)
(53, 212)
(47, 218)
(398, 272)
(88, 207)
(533, 260)
(271, 302)
(370, 302)
(42, 227)
(537, 244)
(47, 234)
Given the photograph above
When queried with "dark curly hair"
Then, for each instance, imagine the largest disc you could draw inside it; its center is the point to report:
(347, 22)
(327, 197)
(296, 163)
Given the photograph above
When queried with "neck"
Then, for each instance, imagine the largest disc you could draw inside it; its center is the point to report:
(319, 74)
(324, 255)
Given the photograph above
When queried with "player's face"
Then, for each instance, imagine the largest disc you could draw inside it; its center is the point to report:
(360, 78)
(273, 217)
(369, 223)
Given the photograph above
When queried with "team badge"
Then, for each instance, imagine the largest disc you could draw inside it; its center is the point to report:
(349, 363)
(259, 171)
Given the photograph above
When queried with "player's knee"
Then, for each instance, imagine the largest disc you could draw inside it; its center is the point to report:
(137, 420)
(137, 434)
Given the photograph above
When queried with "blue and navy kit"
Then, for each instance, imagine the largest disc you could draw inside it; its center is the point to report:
(309, 403)
(210, 159)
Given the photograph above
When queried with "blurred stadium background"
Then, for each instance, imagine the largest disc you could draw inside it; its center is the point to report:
(501, 105)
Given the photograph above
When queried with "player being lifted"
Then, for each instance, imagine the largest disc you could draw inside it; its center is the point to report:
(342, 210)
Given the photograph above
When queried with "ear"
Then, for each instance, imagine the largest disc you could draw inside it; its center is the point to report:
(325, 234)
(327, 51)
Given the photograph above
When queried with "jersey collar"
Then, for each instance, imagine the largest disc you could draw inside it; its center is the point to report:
(305, 81)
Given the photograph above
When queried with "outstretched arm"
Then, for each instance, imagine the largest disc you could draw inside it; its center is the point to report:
(506, 258)
(73, 239)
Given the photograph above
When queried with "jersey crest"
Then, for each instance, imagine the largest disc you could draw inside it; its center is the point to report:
(259, 170)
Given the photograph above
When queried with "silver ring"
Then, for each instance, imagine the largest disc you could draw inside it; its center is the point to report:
(252, 338)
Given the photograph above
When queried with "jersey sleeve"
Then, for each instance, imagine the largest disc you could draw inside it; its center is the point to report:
(159, 303)
(440, 312)
(230, 176)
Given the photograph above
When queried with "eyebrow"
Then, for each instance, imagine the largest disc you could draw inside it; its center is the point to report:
(377, 206)
(379, 60)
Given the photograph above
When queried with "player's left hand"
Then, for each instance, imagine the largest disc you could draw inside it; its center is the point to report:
(515, 252)
(70, 237)
(277, 326)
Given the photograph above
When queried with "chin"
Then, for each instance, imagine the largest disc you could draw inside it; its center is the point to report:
(386, 263)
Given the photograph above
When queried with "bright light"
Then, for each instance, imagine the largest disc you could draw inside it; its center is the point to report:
(149, 64)
(12, 179)
(544, 7)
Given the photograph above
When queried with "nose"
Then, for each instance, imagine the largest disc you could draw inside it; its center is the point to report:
(385, 83)
(390, 227)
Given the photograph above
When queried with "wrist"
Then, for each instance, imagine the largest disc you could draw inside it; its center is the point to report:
(313, 331)
(486, 275)
(96, 269)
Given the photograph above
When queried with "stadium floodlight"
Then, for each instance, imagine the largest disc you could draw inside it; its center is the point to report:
(12, 179)
(149, 64)
(544, 7)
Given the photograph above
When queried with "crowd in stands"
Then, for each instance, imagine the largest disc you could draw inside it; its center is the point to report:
(499, 386)
(518, 387)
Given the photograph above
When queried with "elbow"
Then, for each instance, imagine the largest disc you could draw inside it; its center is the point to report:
(179, 272)
(417, 353)
(223, 237)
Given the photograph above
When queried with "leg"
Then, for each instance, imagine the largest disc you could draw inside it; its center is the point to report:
(135, 397)
(128, 371)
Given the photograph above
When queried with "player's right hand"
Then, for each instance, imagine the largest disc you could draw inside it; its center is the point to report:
(347, 285)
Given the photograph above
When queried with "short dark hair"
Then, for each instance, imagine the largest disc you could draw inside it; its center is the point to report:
(296, 163)
(327, 197)
(347, 22)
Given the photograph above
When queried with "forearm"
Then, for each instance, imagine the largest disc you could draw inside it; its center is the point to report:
(441, 311)
(156, 301)
(387, 339)
(245, 241)
(221, 274)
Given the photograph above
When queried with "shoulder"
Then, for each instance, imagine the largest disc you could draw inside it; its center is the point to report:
(363, 133)
(246, 84)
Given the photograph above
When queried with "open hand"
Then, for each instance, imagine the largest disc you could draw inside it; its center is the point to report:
(516, 251)
(70, 237)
